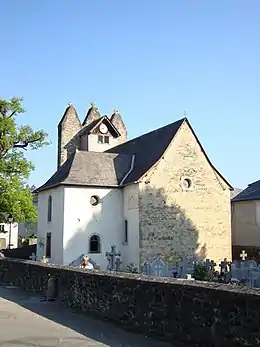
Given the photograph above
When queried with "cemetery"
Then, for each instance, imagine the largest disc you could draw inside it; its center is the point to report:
(195, 311)
(240, 272)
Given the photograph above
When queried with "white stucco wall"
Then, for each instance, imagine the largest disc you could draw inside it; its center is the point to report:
(81, 220)
(94, 146)
(55, 227)
(130, 252)
(14, 235)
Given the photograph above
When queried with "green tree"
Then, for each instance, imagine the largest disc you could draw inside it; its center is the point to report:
(15, 196)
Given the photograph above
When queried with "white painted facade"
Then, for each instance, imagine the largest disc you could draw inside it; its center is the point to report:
(90, 142)
(130, 250)
(75, 220)
(55, 226)
(82, 220)
(4, 236)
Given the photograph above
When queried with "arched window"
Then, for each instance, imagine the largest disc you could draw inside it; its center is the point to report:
(94, 244)
(49, 209)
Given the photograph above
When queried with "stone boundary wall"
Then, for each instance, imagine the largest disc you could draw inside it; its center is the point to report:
(183, 312)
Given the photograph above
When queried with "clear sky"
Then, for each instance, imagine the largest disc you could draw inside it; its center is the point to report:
(150, 59)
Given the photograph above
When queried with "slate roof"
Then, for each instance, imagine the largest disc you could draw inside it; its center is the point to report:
(235, 192)
(252, 192)
(147, 149)
(91, 169)
(150, 147)
(110, 167)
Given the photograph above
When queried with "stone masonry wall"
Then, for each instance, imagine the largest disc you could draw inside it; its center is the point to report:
(185, 313)
(180, 222)
(67, 139)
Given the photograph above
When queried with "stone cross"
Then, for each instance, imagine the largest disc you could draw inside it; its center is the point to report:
(210, 264)
(111, 257)
(158, 269)
(243, 255)
(32, 257)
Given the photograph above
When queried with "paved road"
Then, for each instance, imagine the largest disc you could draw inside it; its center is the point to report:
(26, 321)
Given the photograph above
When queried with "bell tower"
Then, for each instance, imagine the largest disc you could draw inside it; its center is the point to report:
(68, 128)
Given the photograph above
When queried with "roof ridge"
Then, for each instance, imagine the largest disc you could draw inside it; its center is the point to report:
(146, 134)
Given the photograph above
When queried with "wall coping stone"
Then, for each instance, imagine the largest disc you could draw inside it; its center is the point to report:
(229, 288)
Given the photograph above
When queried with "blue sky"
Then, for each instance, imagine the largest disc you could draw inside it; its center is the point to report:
(150, 59)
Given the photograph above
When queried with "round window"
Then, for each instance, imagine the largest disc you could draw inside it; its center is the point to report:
(186, 183)
(94, 200)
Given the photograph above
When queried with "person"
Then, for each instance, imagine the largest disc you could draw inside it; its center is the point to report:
(86, 264)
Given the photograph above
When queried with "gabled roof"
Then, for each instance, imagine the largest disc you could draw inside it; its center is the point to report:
(88, 128)
(252, 192)
(147, 149)
(123, 164)
(91, 169)
(150, 147)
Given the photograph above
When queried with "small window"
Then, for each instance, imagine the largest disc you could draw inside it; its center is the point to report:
(49, 209)
(94, 244)
(100, 139)
(126, 231)
(48, 245)
(2, 228)
(106, 139)
(94, 200)
(186, 183)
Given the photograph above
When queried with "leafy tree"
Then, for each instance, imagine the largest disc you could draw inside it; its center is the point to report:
(15, 196)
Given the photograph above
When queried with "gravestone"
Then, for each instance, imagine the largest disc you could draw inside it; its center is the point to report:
(158, 268)
(243, 255)
(112, 257)
(32, 257)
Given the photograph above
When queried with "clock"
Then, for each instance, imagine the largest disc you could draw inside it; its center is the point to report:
(103, 128)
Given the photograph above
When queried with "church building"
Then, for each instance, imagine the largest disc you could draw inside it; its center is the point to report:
(155, 194)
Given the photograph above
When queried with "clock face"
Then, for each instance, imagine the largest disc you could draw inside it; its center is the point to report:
(103, 128)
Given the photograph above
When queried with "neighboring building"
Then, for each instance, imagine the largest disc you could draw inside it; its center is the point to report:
(158, 193)
(246, 222)
(4, 235)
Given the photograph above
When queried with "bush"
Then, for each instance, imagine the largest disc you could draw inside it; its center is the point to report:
(201, 272)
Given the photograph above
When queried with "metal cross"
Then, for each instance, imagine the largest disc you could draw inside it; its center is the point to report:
(243, 255)
(111, 257)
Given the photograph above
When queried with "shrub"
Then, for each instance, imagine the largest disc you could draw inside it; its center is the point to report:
(201, 272)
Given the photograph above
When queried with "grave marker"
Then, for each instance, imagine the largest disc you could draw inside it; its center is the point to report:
(112, 258)
(243, 255)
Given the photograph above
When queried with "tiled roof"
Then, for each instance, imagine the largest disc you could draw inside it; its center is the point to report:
(91, 169)
(252, 192)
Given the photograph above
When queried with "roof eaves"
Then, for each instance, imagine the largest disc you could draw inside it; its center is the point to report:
(248, 198)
